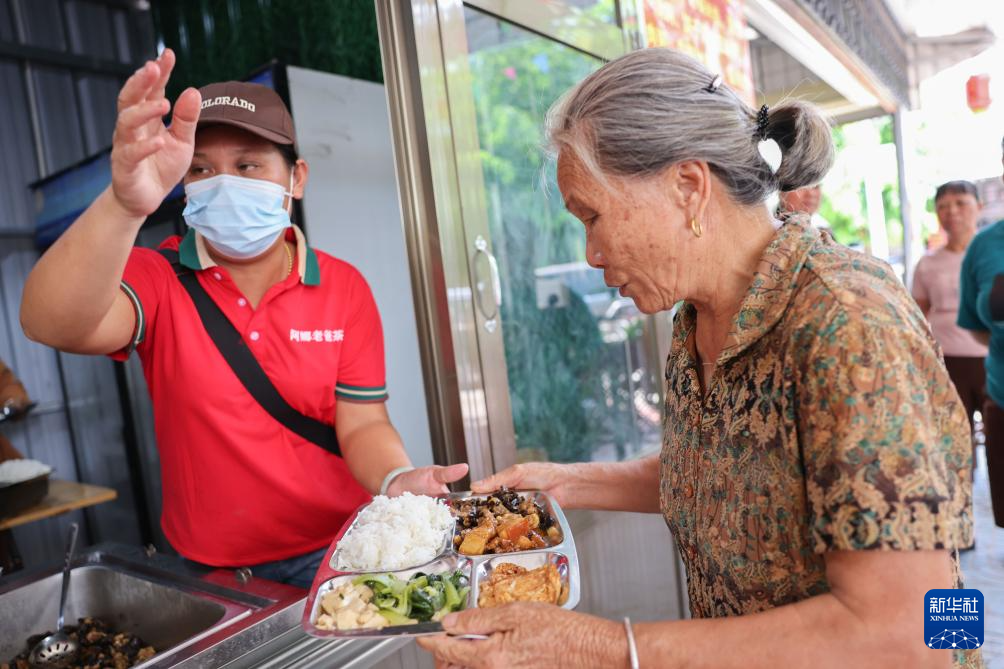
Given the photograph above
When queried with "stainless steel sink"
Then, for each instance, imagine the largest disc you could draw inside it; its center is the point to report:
(187, 615)
(195, 618)
(159, 614)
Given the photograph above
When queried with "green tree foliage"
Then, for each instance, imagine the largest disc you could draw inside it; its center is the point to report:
(566, 384)
(893, 219)
(886, 132)
(847, 228)
(848, 222)
(839, 138)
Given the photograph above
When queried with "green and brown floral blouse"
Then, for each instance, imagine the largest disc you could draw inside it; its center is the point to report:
(830, 423)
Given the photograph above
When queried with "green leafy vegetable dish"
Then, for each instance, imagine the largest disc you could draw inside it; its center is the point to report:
(373, 601)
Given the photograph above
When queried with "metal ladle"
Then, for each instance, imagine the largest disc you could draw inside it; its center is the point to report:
(58, 649)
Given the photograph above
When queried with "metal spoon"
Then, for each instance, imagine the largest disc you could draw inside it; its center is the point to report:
(58, 649)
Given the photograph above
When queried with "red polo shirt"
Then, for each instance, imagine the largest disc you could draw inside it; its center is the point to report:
(239, 488)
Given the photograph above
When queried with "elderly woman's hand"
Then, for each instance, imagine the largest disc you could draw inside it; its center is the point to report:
(528, 635)
(557, 480)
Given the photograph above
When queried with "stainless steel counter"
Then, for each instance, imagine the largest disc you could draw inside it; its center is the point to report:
(197, 618)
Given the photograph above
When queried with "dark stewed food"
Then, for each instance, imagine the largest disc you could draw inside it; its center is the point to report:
(503, 522)
(100, 647)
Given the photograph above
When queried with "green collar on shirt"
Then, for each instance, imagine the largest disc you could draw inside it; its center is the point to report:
(192, 254)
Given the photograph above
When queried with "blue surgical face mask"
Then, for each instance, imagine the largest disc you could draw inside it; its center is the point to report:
(240, 217)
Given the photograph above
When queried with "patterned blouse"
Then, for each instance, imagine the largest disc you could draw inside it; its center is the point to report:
(830, 423)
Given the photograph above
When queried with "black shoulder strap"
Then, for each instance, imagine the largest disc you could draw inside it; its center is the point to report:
(230, 344)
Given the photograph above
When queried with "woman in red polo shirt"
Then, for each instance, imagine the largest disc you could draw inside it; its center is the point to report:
(240, 488)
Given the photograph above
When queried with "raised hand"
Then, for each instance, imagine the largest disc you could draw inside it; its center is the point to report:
(149, 159)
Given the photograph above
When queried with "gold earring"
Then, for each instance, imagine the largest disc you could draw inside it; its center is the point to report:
(696, 227)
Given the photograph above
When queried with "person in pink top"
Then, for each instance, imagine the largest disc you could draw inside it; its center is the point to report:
(936, 289)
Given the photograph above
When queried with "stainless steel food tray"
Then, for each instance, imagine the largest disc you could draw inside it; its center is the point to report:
(478, 568)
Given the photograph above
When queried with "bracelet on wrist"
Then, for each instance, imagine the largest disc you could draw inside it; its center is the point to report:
(632, 647)
(391, 475)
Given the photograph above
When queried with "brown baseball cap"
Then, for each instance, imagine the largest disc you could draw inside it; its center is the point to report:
(253, 107)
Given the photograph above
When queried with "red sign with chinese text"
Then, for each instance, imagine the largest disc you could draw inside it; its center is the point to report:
(711, 31)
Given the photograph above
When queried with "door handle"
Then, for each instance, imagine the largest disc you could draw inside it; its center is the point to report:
(490, 312)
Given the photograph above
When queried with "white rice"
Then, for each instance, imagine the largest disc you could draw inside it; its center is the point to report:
(395, 533)
(16, 471)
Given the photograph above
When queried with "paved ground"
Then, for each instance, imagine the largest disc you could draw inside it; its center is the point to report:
(983, 567)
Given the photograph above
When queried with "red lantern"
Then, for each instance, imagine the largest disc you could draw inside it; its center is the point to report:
(978, 92)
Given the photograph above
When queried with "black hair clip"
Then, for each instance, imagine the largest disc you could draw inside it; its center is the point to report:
(715, 84)
(761, 122)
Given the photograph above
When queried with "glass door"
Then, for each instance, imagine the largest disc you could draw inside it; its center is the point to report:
(529, 355)
(581, 384)
(549, 363)
(582, 372)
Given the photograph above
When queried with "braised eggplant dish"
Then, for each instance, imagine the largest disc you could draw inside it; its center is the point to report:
(503, 522)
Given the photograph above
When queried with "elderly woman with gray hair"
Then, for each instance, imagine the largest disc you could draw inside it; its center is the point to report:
(815, 461)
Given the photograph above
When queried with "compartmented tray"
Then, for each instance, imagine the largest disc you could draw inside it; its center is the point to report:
(477, 568)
